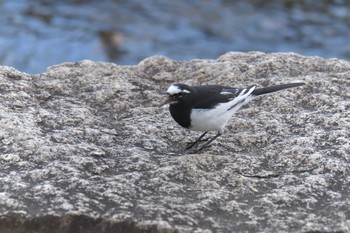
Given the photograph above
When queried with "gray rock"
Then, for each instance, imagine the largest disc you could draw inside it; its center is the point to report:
(85, 148)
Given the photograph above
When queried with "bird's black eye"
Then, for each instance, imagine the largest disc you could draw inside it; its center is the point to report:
(180, 95)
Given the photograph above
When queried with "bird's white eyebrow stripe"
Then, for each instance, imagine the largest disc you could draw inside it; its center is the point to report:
(173, 89)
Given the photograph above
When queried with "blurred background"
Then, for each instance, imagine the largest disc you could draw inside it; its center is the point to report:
(35, 34)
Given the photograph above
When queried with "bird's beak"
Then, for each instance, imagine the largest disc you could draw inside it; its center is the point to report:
(168, 99)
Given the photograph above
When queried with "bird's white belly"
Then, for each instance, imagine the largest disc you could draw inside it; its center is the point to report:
(211, 119)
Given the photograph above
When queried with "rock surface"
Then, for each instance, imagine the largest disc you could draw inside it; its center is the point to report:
(85, 148)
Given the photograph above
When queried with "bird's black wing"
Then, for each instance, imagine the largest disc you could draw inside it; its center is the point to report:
(209, 96)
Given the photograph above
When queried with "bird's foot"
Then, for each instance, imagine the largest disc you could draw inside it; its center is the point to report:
(190, 145)
(196, 149)
(196, 145)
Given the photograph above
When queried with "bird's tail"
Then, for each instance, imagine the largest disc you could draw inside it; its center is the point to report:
(266, 90)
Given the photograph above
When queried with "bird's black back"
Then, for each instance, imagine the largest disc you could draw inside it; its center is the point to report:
(209, 96)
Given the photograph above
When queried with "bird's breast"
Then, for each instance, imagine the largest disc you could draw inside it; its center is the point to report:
(181, 114)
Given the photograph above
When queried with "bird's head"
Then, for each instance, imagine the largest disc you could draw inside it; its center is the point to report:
(176, 93)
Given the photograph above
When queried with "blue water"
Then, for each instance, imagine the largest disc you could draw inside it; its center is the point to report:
(39, 33)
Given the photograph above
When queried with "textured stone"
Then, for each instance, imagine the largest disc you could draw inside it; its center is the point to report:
(85, 148)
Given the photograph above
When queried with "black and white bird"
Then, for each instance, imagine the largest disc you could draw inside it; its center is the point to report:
(210, 107)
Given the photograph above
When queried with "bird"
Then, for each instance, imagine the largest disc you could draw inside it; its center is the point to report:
(209, 107)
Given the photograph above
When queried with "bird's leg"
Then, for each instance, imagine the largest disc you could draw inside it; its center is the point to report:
(206, 144)
(198, 140)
